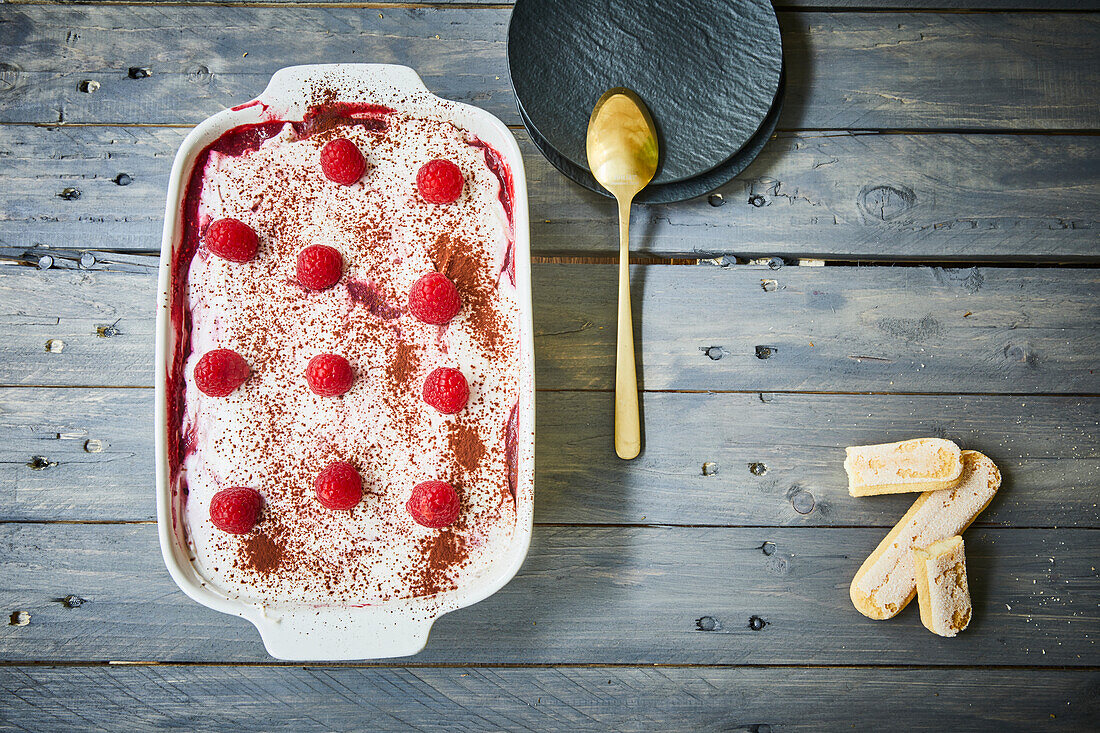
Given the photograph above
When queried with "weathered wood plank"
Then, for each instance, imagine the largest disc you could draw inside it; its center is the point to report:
(904, 329)
(544, 699)
(868, 196)
(87, 455)
(606, 595)
(845, 70)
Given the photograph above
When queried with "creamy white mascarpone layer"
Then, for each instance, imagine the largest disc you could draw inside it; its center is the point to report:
(275, 435)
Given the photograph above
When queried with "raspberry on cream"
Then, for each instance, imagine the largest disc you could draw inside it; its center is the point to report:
(277, 434)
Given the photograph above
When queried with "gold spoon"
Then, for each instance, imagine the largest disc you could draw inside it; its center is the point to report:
(622, 153)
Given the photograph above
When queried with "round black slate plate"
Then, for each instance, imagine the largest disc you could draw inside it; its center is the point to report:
(668, 193)
(707, 69)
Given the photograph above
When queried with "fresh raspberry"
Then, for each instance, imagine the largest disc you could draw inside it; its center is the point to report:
(433, 504)
(342, 161)
(231, 239)
(329, 375)
(446, 390)
(319, 266)
(220, 371)
(235, 510)
(440, 181)
(434, 299)
(339, 486)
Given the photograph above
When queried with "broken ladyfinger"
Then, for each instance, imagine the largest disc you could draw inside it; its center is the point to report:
(942, 590)
(922, 464)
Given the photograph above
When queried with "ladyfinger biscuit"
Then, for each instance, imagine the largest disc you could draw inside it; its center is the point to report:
(923, 464)
(886, 581)
(942, 592)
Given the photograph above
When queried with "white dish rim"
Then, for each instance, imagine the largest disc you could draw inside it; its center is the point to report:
(395, 628)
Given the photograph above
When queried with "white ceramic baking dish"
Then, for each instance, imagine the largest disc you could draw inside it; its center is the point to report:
(395, 628)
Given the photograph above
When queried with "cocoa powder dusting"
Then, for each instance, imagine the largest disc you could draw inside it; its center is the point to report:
(455, 260)
(466, 446)
(476, 282)
(401, 370)
(262, 554)
(440, 553)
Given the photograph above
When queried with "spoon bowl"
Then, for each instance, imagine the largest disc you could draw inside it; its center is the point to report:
(622, 143)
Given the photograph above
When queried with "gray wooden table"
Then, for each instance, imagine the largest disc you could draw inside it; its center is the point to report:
(944, 165)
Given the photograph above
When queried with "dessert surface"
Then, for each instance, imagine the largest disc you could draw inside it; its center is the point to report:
(299, 321)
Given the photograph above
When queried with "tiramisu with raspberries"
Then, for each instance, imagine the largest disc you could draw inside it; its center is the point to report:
(346, 369)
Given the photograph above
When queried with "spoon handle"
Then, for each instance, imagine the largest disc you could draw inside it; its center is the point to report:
(628, 433)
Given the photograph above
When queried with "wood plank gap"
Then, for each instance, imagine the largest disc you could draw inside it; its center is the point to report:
(854, 131)
(53, 125)
(1082, 395)
(634, 260)
(923, 10)
(667, 525)
(1090, 262)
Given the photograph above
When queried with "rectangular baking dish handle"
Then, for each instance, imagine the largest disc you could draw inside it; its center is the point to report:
(290, 88)
(342, 635)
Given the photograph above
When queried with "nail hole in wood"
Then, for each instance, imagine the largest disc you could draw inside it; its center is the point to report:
(39, 463)
(710, 468)
(71, 601)
(198, 74)
(69, 194)
(758, 469)
(123, 179)
(93, 446)
(19, 618)
(714, 353)
(716, 200)
(106, 332)
(768, 548)
(708, 623)
(55, 346)
(139, 72)
(760, 728)
(88, 86)
(766, 397)
(756, 623)
(765, 352)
